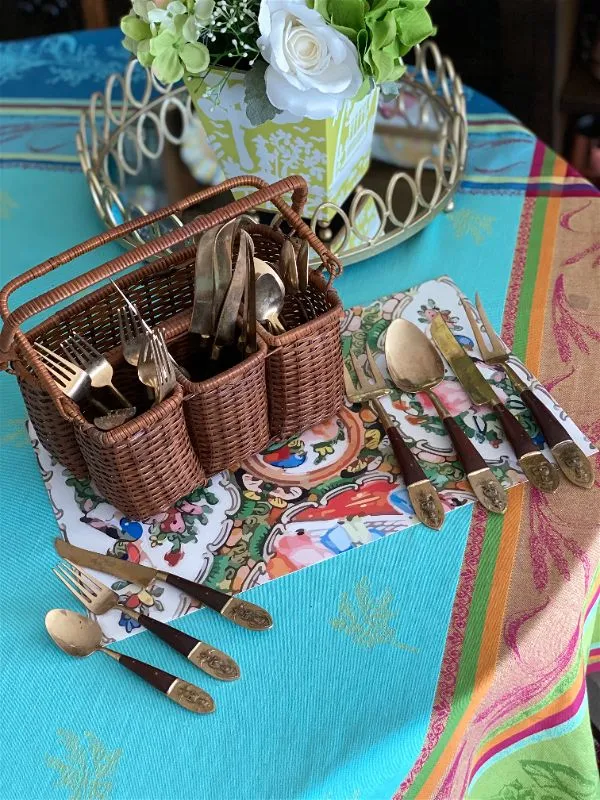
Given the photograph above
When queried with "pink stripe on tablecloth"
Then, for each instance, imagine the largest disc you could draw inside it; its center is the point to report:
(543, 724)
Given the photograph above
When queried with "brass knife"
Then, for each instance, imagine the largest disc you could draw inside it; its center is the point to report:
(242, 612)
(540, 472)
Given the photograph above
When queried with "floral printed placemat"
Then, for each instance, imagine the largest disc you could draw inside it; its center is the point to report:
(311, 497)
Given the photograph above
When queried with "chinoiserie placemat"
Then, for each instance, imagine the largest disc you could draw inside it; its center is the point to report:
(318, 494)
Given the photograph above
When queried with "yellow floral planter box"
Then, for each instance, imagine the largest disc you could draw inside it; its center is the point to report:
(332, 154)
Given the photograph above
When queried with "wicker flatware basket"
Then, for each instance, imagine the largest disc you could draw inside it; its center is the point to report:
(305, 382)
(148, 463)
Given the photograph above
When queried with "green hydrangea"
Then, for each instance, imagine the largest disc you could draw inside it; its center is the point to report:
(383, 31)
(166, 39)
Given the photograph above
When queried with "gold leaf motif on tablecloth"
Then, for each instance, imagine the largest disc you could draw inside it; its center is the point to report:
(16, 435)
(467, 222)
(366, 619)
(87, 768)
(7, 205)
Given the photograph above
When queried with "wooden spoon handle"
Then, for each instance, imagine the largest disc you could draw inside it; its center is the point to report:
(181, 692)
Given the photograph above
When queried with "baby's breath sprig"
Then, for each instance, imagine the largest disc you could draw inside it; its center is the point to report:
(234, 26)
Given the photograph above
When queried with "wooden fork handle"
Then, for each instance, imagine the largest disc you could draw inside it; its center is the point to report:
(517, 435)
(212, 661)
(181, 692)
(409, 466)
(554, 432)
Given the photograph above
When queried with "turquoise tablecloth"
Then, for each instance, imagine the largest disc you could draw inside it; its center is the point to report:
(317, 714)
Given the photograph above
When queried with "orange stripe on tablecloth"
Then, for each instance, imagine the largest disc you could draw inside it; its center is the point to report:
(539, 302)
(561, 702)
(492, 634)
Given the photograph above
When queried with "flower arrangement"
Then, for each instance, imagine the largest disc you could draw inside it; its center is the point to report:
(305, 57)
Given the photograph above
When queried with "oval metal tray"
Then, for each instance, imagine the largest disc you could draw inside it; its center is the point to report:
(141, 146)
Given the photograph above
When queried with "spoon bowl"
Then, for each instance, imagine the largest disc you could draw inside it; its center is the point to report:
(75, 634)
(270, 294)
(413, 362)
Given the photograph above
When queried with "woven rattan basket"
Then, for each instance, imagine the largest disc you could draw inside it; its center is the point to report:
(305, 382)
(148, 463)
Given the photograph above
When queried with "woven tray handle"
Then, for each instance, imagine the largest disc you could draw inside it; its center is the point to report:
(11, 332)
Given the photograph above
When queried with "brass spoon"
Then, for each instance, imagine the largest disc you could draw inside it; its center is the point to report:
(416, 366)
(270, 295)
(81, 636)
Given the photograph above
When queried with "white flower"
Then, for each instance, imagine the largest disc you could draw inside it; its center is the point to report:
(312, 68)
(165, 16)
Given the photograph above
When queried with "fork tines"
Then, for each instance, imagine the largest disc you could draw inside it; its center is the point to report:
(130, 327)
(165, 369)
(498, 348)
(79, 583)
(80, 349)
(368, 387)
(64, 372)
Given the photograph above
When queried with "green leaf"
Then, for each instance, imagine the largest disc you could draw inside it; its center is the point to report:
(135, 28)
(246, 508)
(164, 41)
(167, 66)
(259, 108)
(143, 54)
(195, 57)
(256, 544)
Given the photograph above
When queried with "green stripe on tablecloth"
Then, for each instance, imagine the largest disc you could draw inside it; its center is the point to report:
(532, 263)
(467, 670)
(529, 277)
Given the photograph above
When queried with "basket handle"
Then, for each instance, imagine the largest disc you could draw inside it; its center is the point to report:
(10, 331)
(265, 193)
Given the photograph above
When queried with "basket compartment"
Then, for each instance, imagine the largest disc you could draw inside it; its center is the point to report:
(227, 416)
(305, 381)
(54, 432)
(146, 465)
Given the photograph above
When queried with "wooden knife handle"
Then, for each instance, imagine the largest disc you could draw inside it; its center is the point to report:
(254, 617)
(467, 453)
(554, 432)
(207, 596)
(515, 432)
(181, 692)
(409, 466)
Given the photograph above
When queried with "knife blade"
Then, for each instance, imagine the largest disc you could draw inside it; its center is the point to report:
(242, 612)
(540, 472)
(203, 310)
(225, 333)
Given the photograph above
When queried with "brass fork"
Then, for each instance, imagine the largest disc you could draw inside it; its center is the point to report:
(97, 366)
(155, 367)
(569, 457)
(99, 599)
(73, 381)
(424, 498)
(131, 335)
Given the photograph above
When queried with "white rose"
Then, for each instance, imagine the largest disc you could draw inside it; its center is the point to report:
(312, 68)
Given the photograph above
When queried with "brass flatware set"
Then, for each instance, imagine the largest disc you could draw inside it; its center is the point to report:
(414, 364)
(81, 636)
